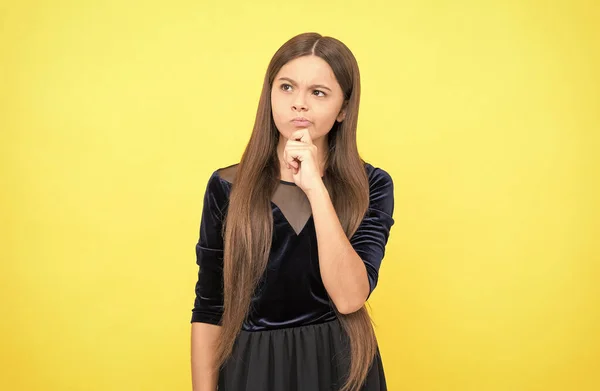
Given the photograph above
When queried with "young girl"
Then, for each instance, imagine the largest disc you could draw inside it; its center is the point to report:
(292, 238)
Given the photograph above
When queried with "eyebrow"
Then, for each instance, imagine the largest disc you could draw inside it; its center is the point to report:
(313, 86)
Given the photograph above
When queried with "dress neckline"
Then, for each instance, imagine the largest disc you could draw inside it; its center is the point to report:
(292, 183)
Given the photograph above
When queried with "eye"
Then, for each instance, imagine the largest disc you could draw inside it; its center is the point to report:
(318, 91)
(285, 85)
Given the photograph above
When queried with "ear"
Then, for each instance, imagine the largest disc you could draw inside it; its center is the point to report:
(342, 115)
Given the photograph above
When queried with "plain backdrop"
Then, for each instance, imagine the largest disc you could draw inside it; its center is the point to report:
(113, 115)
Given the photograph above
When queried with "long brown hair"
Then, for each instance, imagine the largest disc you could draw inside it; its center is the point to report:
(249, 220)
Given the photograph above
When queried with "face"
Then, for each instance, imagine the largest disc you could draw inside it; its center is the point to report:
(306, 88)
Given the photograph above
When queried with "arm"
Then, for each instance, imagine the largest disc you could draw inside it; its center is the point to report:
(208, 304)
(342, 270)
(350, 268)
(204, 338)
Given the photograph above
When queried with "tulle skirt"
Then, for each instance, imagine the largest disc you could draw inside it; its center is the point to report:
(305, 358)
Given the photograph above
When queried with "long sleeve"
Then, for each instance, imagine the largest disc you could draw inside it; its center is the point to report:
(208, 304)
(371, 237)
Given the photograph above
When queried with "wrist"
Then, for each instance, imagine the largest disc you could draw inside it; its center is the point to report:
(318, 191)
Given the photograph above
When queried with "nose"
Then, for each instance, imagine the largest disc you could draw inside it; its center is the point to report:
(299, 104)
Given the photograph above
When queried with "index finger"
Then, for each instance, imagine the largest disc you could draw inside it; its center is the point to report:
(302, 135)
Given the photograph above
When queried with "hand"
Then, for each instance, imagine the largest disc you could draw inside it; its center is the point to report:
(301, 156)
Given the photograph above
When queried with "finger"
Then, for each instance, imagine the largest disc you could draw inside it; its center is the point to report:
(289, 159)
(298, 155)
(295, 161)
(302, 135)
(305, 150)
(297, 144)
(298, 147)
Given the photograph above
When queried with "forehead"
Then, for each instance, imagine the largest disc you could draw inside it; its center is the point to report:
(308, 69)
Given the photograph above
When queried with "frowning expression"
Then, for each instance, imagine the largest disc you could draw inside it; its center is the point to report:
(306, 94)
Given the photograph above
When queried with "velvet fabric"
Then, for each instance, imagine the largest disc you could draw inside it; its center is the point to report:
(291, 292)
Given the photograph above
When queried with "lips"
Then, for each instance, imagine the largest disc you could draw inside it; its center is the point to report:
(301, 121)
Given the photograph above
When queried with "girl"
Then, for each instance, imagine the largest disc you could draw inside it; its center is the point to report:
(292, 238)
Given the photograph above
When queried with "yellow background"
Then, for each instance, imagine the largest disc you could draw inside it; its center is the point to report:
(113, 115)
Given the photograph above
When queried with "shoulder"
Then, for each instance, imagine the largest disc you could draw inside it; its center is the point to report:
(219, 182)
(224, 176)
(227, 174)
(379, 178)
(381, 189)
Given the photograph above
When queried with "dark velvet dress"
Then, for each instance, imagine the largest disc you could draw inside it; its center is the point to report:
(291, 340)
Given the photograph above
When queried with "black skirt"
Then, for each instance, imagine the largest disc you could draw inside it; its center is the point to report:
(305, 358)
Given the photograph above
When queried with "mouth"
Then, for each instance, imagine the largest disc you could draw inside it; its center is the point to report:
(301, 122)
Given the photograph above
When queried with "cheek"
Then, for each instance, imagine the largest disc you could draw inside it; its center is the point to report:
(276, 108)
(276, 114)
(326, 115)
